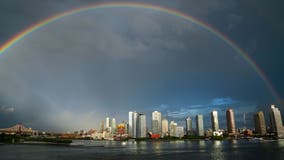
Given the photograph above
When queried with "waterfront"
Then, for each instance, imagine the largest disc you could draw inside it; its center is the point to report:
(85, 149)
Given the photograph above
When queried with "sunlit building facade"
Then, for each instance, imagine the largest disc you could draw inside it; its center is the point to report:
(165, 127)
(141, 126)
(259, 123)
(231, 126)
(173, 129)
(214, 121)
(107, 122)
(132, 121)
(113, 125)
(180, 131)
(156, 122)
(276, 121)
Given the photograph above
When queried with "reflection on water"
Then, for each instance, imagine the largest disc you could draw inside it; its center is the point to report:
(141, 145)
(188, 143)
(157, 147)
(217, 152)
(202, 146)
(123, 143)
(234, 143)
(148, 150)
(201, 143)
(217, 144)
(281, 143)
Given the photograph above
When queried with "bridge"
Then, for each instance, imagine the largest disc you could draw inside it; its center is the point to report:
(17, 129)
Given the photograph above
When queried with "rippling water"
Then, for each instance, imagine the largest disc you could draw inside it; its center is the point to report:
(147, 150)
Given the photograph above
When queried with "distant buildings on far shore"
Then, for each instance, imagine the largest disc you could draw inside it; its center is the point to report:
(136, 127)
(162, 127)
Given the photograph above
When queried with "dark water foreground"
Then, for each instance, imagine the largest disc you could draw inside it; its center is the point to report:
(193, 150)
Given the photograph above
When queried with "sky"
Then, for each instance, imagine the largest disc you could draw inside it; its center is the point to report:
(71, 74)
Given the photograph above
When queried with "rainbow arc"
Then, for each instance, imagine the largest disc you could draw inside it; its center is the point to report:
(21, 35)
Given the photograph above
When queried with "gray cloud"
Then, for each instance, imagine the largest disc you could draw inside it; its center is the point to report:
(217, 103)
(222, 101)
(233, 21)
(179, 113)
(7, 109)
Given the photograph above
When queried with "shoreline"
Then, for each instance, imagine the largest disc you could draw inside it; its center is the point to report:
(43, 143)
(134, 141)
(70, 142)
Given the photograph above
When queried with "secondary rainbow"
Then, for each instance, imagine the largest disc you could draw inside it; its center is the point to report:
(12, 41)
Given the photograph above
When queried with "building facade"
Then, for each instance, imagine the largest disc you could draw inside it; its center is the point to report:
(165, 127)
(173, 129)
(102, 126)
(199, 125)
(259, 123)
(214, 121)
(188, 123)
(156, 122)
(231, 126)
(132, 121)
(276, 121)
(107, 123)
(180, 131)
(141, 126)
(113, 125)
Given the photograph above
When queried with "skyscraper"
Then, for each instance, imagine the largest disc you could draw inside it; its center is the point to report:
(173, 129)
(113, 125)
(102, 127)
(132, 121)
(214, 121)
(157, 122)
(126, 126)
(180, 131)
(107, 123)
(130, 125)
(259, 123)
(276, 121)
(244, 121)
(199, 125)
(231, 127)
(188, 123)
(165, 127)
(141, 126)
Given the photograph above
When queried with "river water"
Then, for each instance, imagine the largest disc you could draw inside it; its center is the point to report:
(191, 150)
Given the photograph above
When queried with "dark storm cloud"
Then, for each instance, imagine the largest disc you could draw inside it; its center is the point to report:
(76, 71)
(17, 15)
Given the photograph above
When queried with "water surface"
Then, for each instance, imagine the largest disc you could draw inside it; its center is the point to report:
(193, 150)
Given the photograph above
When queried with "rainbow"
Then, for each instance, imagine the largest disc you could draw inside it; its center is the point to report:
(12, 41)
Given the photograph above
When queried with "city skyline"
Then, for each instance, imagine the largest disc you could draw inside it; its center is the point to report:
(174, 128)
(72, 72)
(137, 128)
